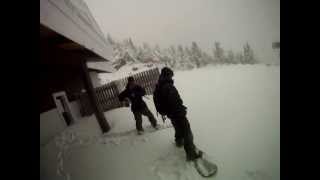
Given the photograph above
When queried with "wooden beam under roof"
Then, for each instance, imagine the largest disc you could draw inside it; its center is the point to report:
(71, 46)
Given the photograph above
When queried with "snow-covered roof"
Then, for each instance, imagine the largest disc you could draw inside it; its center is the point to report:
(125, 71)
(101, 66)
(72, 19)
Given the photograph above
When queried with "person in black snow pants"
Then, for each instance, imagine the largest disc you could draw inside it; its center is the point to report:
(168, 103)
(134, 93)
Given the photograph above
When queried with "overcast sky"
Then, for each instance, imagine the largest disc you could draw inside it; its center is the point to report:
(173, 22)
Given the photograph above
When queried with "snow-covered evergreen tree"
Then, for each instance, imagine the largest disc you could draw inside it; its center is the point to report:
(176, 57)
(231, 57)
(166, 58)
(123, 53)
(239, 58)
(140, 55)
(206, 58)
(131, 45)
(157, 48)
(188, 58)
(248, 54)
(180, 57)
(157, 54)
(196, 54)
(172, 54)
(118, 55)
(218, 54)
(130, 48)
(147, 53)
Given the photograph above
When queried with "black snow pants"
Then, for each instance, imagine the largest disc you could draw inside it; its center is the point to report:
(138, 117)
(183, 134)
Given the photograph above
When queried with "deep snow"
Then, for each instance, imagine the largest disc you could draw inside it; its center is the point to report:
(234, 112)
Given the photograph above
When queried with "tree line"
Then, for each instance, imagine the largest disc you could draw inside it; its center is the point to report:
(178, 57)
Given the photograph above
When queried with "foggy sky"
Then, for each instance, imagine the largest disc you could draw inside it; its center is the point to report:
(173, 22)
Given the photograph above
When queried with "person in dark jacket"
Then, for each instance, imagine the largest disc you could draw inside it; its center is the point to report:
(169, 103)
(134, 93)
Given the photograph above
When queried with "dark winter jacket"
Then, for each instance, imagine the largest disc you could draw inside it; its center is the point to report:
(167, 99)
(135, 95)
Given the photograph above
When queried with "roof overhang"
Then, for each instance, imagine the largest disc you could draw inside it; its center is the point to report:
(56, 47)
(73, 20)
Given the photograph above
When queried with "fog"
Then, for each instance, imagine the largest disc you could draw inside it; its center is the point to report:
(173, 22)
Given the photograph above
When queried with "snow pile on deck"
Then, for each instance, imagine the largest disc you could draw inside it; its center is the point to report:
(126, 70)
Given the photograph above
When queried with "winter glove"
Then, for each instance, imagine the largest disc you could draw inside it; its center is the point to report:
(126, 102)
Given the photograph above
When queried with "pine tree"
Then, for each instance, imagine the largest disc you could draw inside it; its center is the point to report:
(131, 45)
(218, 53)
(180, 57)
(180, 50)
(157, 48)
(196, 54)
(206, 58)
(128, 58)
(231, 57)
(146, 50)
(129, 48)
(188, 58)
(166, 60)
(147, 53)
(140, 54)
(119, 56)
(166, 57)
(172, 50)
(239, 58)
(248, 54)
(157, 53)
(173, 56)
(187, 51)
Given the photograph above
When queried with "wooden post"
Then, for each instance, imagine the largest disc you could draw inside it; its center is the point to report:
(93, 99)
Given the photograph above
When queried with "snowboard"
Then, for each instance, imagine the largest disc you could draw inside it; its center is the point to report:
(204, 166)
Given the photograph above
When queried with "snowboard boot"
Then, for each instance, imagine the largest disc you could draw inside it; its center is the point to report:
(140, 132)
(197, 156)
(179, 143)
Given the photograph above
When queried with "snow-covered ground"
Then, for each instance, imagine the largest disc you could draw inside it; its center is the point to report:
(234, 112)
